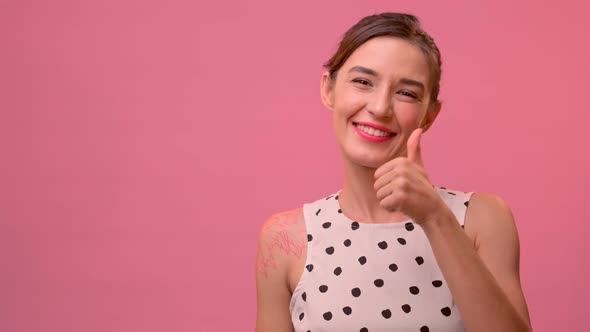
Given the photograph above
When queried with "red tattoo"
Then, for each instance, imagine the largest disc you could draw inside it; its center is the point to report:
(285, 238)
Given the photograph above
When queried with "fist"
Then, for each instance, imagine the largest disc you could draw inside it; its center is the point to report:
(402, 185)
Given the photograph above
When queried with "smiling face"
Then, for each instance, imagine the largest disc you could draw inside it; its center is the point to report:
(384, 84)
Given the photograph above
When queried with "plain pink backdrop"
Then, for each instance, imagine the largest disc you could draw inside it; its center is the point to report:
(144, 143)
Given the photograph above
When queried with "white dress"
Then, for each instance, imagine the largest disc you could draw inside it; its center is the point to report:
(363, 277)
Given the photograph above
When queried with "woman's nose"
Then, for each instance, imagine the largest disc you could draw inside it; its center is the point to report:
(381, 105)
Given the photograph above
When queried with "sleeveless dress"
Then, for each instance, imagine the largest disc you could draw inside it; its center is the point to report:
(362, 277)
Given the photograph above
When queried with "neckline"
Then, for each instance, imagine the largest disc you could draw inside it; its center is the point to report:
(401, 223)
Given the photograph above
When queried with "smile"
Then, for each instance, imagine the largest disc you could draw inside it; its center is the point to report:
(372, 134)
(372, 131)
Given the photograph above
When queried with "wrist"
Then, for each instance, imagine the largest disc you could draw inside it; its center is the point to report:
(442, 219)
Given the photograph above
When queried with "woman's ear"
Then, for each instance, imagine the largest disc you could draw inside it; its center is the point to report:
(431, 114)
(327, 91)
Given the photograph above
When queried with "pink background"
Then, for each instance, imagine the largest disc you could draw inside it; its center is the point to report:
(144, 143)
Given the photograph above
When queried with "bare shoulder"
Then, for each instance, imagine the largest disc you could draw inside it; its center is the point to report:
(282, 239)
(498, 245)
(489, 217)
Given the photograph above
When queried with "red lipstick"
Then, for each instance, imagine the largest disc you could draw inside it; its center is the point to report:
(371, 138)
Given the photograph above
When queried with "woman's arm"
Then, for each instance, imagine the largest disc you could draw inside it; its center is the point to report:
(484, 279)
(276, 246)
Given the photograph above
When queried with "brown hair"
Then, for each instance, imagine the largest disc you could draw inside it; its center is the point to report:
(400, 25)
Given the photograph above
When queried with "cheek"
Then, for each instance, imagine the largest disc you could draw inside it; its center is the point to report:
(348, 103)
(409, 115)
(346, 106)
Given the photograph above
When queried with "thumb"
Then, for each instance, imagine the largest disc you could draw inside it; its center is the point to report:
(413, 146)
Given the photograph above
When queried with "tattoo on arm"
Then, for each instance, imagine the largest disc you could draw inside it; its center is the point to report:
(285, 238)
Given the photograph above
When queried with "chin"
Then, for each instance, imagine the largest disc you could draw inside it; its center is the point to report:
(360, 154)
(365, 159)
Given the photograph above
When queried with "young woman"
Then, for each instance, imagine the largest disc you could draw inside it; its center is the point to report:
(389, 251)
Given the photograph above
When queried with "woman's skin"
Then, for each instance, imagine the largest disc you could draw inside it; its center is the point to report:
(386, 82)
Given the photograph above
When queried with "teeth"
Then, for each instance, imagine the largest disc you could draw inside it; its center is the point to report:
(372, 131)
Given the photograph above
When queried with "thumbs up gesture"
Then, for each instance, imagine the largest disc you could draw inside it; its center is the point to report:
(402, 185)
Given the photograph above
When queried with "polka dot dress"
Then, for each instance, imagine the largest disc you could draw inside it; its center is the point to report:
(361, 277)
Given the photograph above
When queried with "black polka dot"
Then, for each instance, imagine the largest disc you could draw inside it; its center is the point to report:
(337, 271)
(437, 283)
(445, 188)
(356, 292)
(301, 316)
(424, 329)
(309, 237)
(347, 310)
(330, 250)
(364, 329)
(339, 211)
(446, 311)
(347, 243)
(362, 260)
(382, 245)
(393, 267)
(327, 315)
(451, 193)
(323, 288)
(414, 290)
(309, 267)
(466, 203)
(378, 282)
(463, 226)
(386, 313)
(419, 260)
(326, 225)
(304, 296)
(336, 198)
(355, 225)
(406, 308)
(401, 241)
(318, 212)
(409, 226)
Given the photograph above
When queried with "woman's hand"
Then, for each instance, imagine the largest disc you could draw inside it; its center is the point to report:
(402, 185)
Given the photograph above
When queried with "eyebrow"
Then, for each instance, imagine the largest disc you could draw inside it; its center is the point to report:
(409, 81)
(363, 70)
(371, 72)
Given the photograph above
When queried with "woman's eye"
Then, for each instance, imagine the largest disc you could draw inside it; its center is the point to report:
(362, 81)
(408, 94)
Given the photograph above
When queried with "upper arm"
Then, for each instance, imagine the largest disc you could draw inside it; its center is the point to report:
(498, 245)
(276, 246)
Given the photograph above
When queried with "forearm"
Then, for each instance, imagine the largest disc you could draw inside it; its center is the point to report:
(483, 305)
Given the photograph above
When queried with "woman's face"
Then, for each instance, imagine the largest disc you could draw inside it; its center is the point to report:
(385, 84)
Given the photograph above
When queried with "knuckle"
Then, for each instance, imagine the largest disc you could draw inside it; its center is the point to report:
(402, 197)
(403, 183)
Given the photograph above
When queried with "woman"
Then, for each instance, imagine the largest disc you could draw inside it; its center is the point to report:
(390, 251)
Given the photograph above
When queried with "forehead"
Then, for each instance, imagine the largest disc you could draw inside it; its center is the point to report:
(390, 57)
